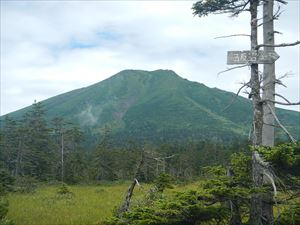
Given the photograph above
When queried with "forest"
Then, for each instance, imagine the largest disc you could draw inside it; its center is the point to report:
(37, 151)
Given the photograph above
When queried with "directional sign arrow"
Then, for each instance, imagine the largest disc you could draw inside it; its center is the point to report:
(251, 57)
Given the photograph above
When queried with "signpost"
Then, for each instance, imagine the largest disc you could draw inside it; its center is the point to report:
(251, 57)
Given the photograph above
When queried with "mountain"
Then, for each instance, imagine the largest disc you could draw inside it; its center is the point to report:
(157, 106)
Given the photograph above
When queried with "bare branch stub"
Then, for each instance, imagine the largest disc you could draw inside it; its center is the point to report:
(285, 99)
(281, 103)
(234, 35)
(281, 1)
(279, 82)
(233, 68)
(274, 17)
(277, 46)
(236, 95)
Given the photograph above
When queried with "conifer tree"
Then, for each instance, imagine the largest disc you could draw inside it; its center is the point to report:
(38, 155)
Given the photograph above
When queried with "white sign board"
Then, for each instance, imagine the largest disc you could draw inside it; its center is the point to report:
(251, 57)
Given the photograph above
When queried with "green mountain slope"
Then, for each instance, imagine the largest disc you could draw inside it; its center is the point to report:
(157, 106)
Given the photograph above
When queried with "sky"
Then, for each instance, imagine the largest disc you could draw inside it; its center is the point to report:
(51, 47)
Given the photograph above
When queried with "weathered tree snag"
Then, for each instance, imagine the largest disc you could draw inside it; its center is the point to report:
(256, 214)
(268, 75)
(268, 130)
(126, 203)
(255, 81)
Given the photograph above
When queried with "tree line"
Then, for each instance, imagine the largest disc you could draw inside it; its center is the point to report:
(49, 150)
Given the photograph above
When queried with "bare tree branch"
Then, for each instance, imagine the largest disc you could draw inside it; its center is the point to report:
(281, 103)
(274, 17)
(236, 95)
(277, 46)
(233, 68)
(233, 35)
(286, 75)
(272, 125)
(167, 157)
(283, 98)
(279, 82)
(281, 1)
(278, 122)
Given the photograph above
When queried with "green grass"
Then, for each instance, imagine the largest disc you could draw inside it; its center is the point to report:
(88, 206)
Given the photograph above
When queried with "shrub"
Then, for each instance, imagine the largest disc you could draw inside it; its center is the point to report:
(26, 185)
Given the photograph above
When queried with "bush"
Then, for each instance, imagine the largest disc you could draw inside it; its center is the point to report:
(290, 216)
(183, 208)
(64, 190)
(6, 222)
(3, 212)
(6, 182)
(26, 185)
(3, 208)
(164, 181)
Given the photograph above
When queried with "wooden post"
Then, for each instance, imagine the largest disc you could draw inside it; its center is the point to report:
(256, 200)
(268, 76)
(268, 134)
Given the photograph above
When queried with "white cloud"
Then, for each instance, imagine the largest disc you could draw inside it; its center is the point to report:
(48, 48)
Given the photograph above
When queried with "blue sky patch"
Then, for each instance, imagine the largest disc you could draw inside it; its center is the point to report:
(108, 36)
(79, 44)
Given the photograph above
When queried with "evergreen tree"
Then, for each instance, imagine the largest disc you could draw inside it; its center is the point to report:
(39, 153)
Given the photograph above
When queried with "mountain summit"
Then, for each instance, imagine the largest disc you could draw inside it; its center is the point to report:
(157, 106)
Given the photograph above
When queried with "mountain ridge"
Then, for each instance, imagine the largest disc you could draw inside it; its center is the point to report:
(156, 106)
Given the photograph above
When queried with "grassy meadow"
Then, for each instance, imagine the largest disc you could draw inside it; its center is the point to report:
(89, 205)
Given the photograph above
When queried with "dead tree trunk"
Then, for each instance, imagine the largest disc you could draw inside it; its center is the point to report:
(126, 203)
(268, 134)
(268, 75)
(257, 176)
(255, 81)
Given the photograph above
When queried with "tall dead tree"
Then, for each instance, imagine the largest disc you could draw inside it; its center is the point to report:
(261, 209)
(257, 123)
(268, 87)
(125, 206)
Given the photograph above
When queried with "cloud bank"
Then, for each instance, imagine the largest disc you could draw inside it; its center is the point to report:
(50, 47)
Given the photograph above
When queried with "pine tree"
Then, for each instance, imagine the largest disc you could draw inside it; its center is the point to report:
(38, 149)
